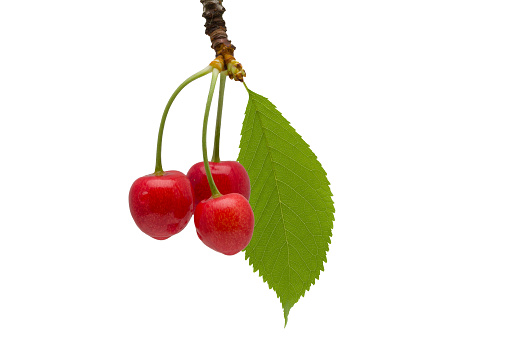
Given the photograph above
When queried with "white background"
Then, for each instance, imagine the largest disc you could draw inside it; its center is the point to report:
(405, 103)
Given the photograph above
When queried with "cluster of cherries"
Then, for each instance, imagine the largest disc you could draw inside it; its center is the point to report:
(163, 202)
(162, 205)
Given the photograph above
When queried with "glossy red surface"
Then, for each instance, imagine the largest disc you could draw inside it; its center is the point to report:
(229, 176)
(161, 206)
(225, 224)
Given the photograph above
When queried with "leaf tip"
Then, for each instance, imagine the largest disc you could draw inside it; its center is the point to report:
(286, 312)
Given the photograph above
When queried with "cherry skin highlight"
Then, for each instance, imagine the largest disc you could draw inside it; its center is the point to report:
(229, 177)
(225, 224)
(161, 205)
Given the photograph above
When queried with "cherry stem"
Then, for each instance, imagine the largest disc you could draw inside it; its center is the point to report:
(159, 166)
(222, 83)
(212, 184)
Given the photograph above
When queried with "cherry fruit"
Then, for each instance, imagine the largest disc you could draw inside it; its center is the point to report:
(229, 177)
(225, 223)
(161, 205)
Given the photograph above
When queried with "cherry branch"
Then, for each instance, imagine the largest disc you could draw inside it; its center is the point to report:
(215, 28)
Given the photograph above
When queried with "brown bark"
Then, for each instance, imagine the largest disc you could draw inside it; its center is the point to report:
(215, 28)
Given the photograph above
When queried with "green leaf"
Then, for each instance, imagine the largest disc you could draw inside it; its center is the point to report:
(291, 200)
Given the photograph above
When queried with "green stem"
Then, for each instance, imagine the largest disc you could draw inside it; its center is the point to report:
(159, 166)
(222, 83)
(213, 188)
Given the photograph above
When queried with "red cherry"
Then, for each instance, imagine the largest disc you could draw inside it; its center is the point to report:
(229, 176)
(225, 224)
(161, 205)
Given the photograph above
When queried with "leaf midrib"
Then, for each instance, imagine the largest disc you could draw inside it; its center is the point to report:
(277, 187)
